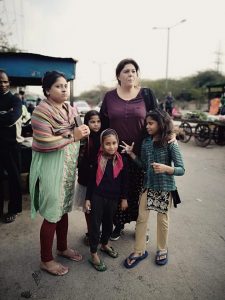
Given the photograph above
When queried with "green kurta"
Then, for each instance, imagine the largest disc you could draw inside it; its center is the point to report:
(52, 177)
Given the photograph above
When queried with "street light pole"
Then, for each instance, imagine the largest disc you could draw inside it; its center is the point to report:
(168, 47)
(99, 64)
(167, 57)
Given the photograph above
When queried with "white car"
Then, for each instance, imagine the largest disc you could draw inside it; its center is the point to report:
(82, 107)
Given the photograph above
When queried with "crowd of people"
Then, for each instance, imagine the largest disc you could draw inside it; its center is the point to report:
(126, 155)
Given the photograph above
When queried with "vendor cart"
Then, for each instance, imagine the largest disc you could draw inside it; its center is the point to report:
(203, 131)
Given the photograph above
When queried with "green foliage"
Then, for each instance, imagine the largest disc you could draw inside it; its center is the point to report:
(202, 79)
(93, 97)
(196, 115)
(187, 88)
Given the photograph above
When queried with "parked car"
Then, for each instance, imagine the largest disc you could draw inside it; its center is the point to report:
(82, 106)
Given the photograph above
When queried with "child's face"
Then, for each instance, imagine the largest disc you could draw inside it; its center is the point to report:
(94, 123)
(152, 126)
(110, 144)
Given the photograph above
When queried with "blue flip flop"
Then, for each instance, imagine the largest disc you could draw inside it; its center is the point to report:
(136, 260)
(159, 260)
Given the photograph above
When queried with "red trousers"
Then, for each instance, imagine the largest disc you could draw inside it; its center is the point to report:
(47, 233)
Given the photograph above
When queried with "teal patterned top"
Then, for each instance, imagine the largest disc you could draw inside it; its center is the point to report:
(169, 155)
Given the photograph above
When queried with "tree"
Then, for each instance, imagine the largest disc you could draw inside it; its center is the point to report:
(4, 43)
(202, 79)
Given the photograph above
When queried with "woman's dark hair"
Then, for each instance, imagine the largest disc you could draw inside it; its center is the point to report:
(106, 133)
(165, 125)
(49, 79)
(90, 114)
(123, 63)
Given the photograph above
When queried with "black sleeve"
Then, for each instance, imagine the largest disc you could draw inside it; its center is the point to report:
(9, 118)
(104, 114)
(124, 180)
(91, 183)
(83, 147)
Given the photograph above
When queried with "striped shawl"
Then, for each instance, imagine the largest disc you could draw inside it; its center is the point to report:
(52, 127)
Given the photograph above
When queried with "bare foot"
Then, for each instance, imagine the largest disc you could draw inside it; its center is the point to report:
(54, 268)
(70, 254)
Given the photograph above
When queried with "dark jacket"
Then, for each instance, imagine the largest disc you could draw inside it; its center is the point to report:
(10, 113)
(88, 157)
(109, 187)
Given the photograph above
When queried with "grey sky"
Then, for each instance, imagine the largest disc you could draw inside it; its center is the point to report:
(99, 33)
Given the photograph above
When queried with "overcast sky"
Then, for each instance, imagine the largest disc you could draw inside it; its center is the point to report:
(99, 33)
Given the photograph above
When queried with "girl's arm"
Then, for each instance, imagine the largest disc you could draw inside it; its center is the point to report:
(177, 160)
(177, 169)
(129, 150)
(124, 186)
(162, 168)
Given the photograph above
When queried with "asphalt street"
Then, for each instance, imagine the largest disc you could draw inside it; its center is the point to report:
(196, 267)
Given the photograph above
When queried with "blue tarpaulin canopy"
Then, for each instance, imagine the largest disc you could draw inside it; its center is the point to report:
(28, 68)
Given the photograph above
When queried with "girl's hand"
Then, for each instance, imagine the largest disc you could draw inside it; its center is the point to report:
(127, 149)
(124, 204)
(161, 168)
(81, 132)
(87, 206)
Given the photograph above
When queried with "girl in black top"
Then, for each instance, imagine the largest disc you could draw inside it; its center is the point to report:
(107, 186)
(87, 158)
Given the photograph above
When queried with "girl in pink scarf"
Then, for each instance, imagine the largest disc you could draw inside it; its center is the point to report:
(107, 187)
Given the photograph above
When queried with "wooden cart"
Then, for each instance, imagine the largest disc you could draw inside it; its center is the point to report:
(203, 131)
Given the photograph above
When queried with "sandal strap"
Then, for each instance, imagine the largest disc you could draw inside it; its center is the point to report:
(160, 254)
(131, 257)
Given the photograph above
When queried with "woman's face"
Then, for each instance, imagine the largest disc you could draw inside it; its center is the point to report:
(94, 123)
(58, 91)
(110, 145)
(128, 76)
(152, 126)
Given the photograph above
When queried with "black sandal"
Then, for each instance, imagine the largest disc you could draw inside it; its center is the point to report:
(9, 218)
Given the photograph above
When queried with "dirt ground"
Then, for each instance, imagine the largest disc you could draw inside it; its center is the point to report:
(196, 267)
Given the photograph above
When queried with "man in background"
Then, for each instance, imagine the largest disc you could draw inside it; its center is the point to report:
(169, 103)
(10, 152)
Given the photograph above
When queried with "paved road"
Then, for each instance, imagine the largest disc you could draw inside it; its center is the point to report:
(196, 268)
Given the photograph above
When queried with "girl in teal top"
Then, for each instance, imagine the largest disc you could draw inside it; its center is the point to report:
(160, 162)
